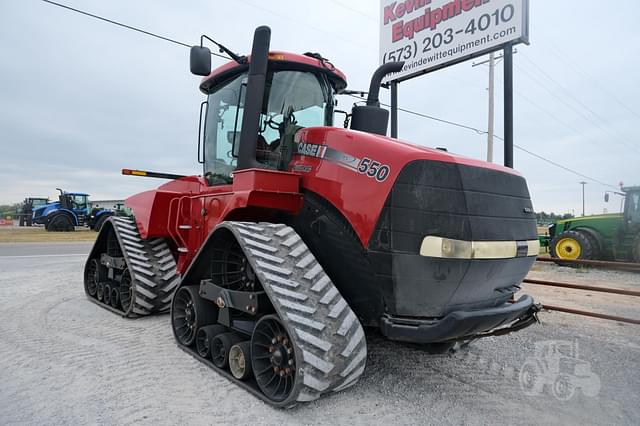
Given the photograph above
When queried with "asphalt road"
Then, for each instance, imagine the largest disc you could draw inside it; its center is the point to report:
(64, 360)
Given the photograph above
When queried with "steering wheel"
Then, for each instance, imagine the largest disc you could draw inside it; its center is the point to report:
(272, 123)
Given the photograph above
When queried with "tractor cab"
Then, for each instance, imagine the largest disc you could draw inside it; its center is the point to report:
(255, 105)
(77, 202)
(297, 94)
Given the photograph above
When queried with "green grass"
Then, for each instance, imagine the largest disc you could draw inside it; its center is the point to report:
(10, 234)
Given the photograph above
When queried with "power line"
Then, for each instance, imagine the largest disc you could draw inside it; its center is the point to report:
(483, 132)
(129, 27)
(306, 25)
(430, 117)
(559, 165)
(586, 76)
(597, 124)
(564, 57)
(440, 120)
(354, 10)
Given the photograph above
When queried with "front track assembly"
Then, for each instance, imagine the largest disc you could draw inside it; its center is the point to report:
(128, 275)
(268, 317)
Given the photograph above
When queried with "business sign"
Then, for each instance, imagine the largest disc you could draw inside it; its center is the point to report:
(432, 34)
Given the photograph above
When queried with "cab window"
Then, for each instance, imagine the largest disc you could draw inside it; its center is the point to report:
(79, 201)
(633, 209)
(293, 100)
(222, 130)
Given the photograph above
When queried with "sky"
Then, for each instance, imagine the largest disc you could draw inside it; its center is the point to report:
(80, 99)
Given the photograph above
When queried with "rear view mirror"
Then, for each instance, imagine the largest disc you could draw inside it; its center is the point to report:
(606, 198)
(200, 60)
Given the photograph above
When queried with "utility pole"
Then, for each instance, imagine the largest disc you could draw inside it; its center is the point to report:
(492, 66)
(492, 61)
(583, 184)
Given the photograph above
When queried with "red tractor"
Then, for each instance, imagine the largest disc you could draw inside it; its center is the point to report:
(299, 234)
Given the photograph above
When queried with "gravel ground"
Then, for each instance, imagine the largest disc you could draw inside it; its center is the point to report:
(64, 360)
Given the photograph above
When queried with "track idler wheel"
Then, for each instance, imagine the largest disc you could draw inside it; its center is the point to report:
(204, 337)
(190, 312)
(240, 360)
(93, 275)
(115, 297)
(273, 358)
(100, 291)
(220, 348)
(126, 291)
(107, 294)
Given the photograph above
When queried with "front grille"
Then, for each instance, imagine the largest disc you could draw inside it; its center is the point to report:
(453, 201)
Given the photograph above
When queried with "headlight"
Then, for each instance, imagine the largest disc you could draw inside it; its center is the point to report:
(447, 248)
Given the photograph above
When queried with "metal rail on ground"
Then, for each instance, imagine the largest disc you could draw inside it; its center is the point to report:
(583, 287)
(586, 288)
(598, 263)
(591, 314)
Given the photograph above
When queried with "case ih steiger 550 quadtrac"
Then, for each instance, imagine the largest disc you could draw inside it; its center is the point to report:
(298, 234)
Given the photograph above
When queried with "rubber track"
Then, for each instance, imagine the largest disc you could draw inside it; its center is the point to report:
(152, 268)
(316, 316)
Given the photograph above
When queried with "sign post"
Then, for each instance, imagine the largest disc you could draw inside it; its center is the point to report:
(433, 34)
(394, 109)
(508, 106)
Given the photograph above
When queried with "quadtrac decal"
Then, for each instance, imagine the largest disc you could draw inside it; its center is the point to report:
(366, 166)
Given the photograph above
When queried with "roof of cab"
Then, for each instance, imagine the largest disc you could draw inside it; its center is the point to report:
(223, 72)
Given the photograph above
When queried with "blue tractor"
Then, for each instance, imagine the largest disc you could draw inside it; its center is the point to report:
(70, 211)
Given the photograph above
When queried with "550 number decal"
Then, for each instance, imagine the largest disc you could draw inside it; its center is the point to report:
(374, 169)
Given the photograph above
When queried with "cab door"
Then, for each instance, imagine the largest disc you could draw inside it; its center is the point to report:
(632, 212)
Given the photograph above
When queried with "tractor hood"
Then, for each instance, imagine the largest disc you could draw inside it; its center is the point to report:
(39, 214)
(591, 218)
(47, 207)
(357, 171)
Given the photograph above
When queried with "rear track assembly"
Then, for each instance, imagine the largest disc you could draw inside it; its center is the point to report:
(128, 275)
(305, 340)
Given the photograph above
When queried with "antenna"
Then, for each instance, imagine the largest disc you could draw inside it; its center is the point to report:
(241, 59)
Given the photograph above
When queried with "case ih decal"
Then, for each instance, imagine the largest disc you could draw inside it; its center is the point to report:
(311, 150)
(370, 168)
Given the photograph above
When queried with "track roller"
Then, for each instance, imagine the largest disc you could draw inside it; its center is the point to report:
(107, 294)
(220, 347)
(115, 297)
(204, 337)
(100, 291)
(240, 360)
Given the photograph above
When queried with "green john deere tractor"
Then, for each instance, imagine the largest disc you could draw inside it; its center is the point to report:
(601, 237)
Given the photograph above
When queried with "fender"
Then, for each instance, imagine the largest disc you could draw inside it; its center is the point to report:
(49, 209)
(58, 212)
(101, 213)
(595, 234)
(98, 217)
